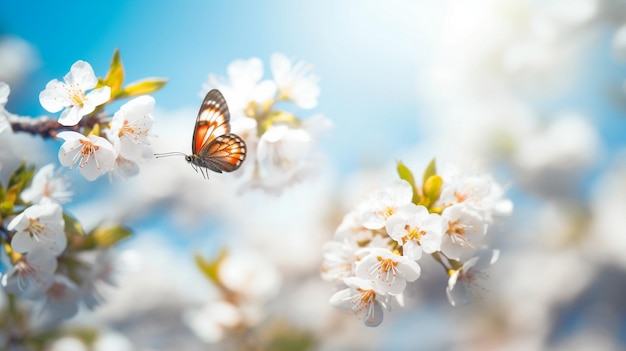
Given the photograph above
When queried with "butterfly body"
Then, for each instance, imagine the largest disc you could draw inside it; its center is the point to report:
(213, 146)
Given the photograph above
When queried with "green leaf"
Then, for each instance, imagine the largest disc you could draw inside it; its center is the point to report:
(405, 173)
(72, 226)
(431, 170)
(115, 77)
(6, 208)
(18, 179)
(141, 87)
(210, 268)
(100, 237)
(2, 192)
(21, 176)
(109, 235)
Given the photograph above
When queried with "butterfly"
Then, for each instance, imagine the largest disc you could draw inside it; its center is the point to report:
(213, 146)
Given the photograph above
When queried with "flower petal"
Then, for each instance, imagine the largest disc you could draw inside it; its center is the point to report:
(82, 75)
(99, 96)
(54, 97)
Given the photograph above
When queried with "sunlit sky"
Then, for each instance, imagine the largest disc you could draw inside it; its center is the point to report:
(366, 54)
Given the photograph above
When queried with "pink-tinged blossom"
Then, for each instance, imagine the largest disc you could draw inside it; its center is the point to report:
(362, 299)
(72, 95)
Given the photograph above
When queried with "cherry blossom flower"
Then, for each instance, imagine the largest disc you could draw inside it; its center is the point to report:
(40, 224)
(339, 260)
(101, 270)
(61, 298)
(285, 154)
(72, 95)
(383, 203)
(282, 155)
(351, 228)
(244, 85)
(47, 185)
(388, 271)
(295, 81)
(130, 127)
(250, 275)
(465, 283)
(124, 168)
(415, 230)
(463, 228)
(363, 300)
(32, 274)
(212, 321)
(480, 192)
(94, 155)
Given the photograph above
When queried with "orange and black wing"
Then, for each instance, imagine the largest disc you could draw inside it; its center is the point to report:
(225, 153)
(213, 120)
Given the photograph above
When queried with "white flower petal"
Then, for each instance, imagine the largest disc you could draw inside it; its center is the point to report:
(82, 74)
(71, 116)
(54, 97)
(98, 96)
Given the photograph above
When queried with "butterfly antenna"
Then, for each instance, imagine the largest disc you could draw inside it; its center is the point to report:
(167, 154)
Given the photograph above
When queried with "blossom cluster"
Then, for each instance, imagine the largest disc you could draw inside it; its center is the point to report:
(94, 141)
(280, 144)
(47, 254)
(377, 248)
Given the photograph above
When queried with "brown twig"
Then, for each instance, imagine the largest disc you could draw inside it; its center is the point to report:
(45, 126)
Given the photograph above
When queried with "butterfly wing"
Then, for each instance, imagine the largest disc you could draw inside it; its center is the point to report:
(225, 153)
(213, 120)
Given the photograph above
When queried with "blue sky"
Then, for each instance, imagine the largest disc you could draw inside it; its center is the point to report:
(365, 54)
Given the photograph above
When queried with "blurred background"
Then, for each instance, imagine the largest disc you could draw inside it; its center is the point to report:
(531, 91)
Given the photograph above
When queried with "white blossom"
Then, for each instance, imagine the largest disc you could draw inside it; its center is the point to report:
(388, 271)
(39, 225)
(130, 127)
(72, 95)
(463, 229)
(47, 185)
(383, 203)
(362, 299)
(295, 81)
(415, 230)
(32, 274)
(465, 283)
(95, 155)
